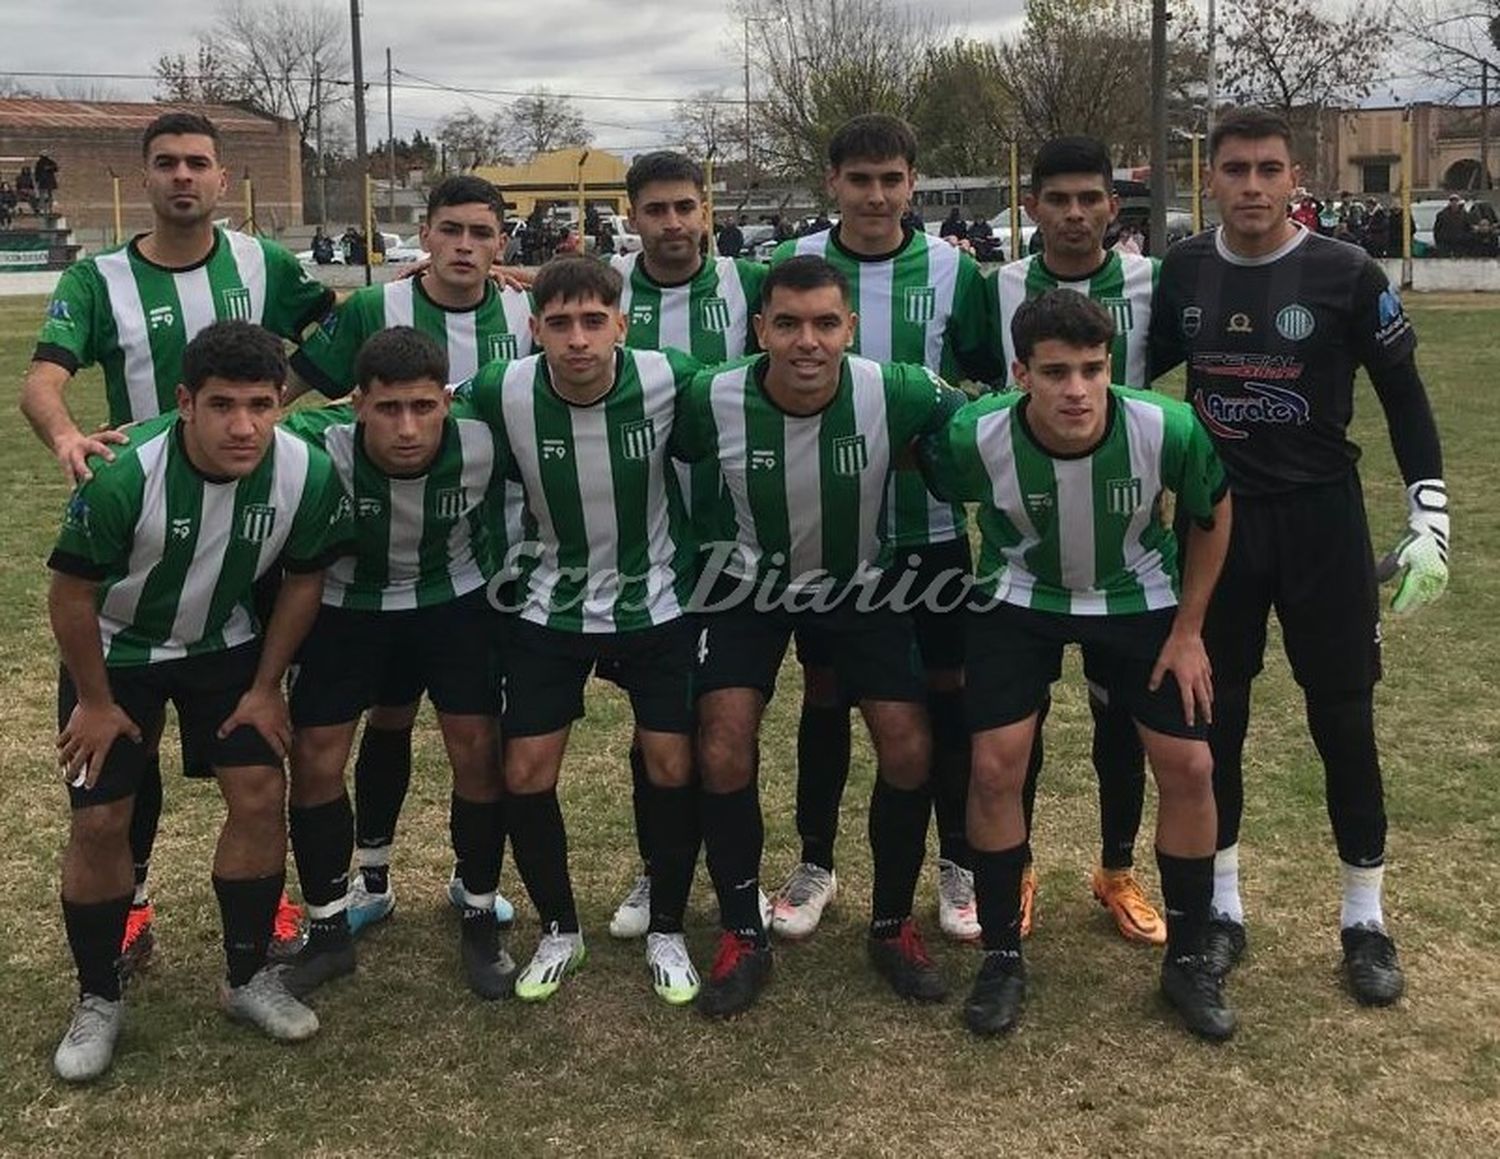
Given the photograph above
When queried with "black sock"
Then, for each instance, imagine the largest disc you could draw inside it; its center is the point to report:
(674, 824)
(322, 843)
(950, 773)
(539, 841)
(478, 926)
(477, 829)
(1227, 740)
(1034, 767)
(1187, 888)
(640, 790)
(145, 818)
(733, 837)
(247, 908)
(382, 774)
(1120, 765)
(898, 841)
(997, 895)
(95, 931)
(822, 773)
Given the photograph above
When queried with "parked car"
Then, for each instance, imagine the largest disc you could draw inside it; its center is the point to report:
(408, 250)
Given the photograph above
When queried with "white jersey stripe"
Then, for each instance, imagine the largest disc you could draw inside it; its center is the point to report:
(732, 290)
(727, 401)
(658, 396)
(674, 328)
(146, 544)
(596, 494)
(875, 304)
(518, 394)
(463, 345)
(403, 550)
(1138, 278)
(517, 307)
(1075, 539)
(479, 461)
(195, 294)
(130, 327)
(398, 302)
(993, 438)
(870, 420)
(250, 259)
(942, 276)
(1146, 433)
(803, 479)
(215, 527)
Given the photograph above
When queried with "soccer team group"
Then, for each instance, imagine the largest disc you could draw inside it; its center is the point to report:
(661, 470)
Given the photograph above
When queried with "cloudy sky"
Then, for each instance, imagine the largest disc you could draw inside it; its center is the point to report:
(622, 50)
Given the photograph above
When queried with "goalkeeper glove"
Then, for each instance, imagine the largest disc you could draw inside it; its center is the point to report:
(1421, 558)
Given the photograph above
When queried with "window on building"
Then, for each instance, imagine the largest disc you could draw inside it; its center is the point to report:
(1377, 177)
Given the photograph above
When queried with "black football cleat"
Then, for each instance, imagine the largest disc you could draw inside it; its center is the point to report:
(1223, 945)
(1371, 967)
(1196, 991)
(995, 1003)
(904, 963)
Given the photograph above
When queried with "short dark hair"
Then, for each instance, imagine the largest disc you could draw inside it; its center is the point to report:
(235, 351)
(663, 165)
(574, 279)
(400, 354)
(1061, 314)
(177, 123)
(804, 272)
(466, 189)
(1070, 155)
(872, 137)
(1249, 124)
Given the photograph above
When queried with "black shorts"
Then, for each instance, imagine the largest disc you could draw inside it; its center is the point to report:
(546, 669)
(354, 659)
(873, 653)
(934, 583)
(205, 689)
(1016, 653)
(1307, 554)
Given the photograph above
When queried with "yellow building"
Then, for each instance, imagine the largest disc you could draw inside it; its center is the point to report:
(555, 178)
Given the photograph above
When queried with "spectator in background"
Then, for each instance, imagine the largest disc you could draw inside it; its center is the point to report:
(953, 226)
(982, 238)
(1377, 236)
(731, 240)
(1485, 239)
(604, 237)
(45, 172)
(322, 247)
(1451, 231)
(26, 187)
(7, 203)
(1305, 212)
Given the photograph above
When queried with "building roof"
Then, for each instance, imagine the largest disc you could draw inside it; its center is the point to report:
(30, 113)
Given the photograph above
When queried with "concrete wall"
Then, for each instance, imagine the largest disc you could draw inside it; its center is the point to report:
(1448, 275)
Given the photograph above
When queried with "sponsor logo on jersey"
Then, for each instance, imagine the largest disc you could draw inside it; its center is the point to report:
(554, 449)
(182, 527)
(160, 316)
(1393, 320)
(1122, 496)
(1239, 323)
(343, 511)
(501, 346)
(1276, 367)
(763, 459)
(1192, 321)
(329, 323)
(370, 507)
(76, 517)
(256, 522)
(234, 302)
(642, 314)
(58, 311)
(921, 304)
(714, 313)
(1295, 322)
(449, 502)
(1223, 414)
(1121, 310)
(849, 455)
(638, 439)
(1039, 502)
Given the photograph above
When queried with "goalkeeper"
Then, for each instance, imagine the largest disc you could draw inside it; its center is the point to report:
(1272, 322)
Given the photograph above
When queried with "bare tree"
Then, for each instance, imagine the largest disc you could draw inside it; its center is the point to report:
(471, 139)
(205, 79)
(1290, 56)
(1450, 44)
(825, 61)
(541, 121)
(705, 123)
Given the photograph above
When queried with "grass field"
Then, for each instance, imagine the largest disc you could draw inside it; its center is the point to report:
(407, 1063)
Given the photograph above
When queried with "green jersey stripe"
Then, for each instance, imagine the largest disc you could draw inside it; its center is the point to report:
(1145, 554)
(121, 601)
(137, 394)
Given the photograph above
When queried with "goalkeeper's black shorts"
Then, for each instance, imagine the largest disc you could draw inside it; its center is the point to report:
(1307, 554)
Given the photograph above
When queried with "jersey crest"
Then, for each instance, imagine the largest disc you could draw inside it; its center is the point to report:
(638, 439)
(921, 304)
(234, 303)
(256, 522)
(850, 456)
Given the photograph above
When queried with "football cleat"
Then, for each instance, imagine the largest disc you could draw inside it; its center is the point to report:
(1028, 899)
(489, 971)
(904, 963)
(88, 1047)
(265, 1003)
(1196, 991)
(958, 917)
(288, 931)
(672, 974)
(1137, 920)
(505, 912)
(365, 909)
(1371, 967)
(139, 940)
(1223, 944)
(309, 968)
(557, 955)
(799, 905)
(632, 918)
(998, 996)
(740, 972)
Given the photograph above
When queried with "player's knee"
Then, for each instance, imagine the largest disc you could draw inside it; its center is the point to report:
(726, 755)
(98, 825)
(317, 763)
(904, 755)
(1187, 773)
(255, 795)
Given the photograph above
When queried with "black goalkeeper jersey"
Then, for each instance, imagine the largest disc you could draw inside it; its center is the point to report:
(1271, 346)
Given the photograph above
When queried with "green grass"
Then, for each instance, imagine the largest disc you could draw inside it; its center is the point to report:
(408, 1064)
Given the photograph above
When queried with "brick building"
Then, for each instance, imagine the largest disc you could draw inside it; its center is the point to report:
(88, 138)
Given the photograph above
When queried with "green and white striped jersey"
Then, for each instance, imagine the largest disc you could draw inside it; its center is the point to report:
(1084, 535)
(709, 318)
(809, 491)
(176, 554)
(134, 318)
(607, 545)
(1122, 285)
(497, 328)
(927, 303)
(419, 540)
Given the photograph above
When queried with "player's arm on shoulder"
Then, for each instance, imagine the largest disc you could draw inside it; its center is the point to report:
(295, 299)
(1387, 348)
(483, 391)
(684, 367)
(946, 453)
(310, 424)
(975, 333)
(692, 420)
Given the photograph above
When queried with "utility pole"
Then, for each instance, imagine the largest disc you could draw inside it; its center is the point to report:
(390, 144)
(1484, 124)
(361, 145)
(749, 158)
(1213, 71)
(318, 131)
(1158, 127)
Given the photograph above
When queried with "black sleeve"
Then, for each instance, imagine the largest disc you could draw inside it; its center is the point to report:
(1163, 344)
(1408, 416)
(306, 566)
(1383, 336)
(76, 566)
(308, 371)
(313, 313)
(52, 352)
